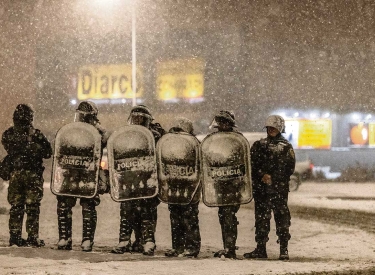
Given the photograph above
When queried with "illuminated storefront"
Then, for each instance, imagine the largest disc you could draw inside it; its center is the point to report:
(180, 79)
(309, 133)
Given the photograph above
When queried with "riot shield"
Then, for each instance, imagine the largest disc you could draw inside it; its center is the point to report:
(132, 164)
(226, 175)
(76, 161)
(178, 167)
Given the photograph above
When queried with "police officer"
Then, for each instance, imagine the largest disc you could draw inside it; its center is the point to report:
(272, 164)
(186, 238)
(224, 121)
(139, 215)
(26, 148)
(86, 112)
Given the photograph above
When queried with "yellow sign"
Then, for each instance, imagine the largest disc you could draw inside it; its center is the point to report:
(107, 82)
(182, 78)
(371, 138)
(315, 134)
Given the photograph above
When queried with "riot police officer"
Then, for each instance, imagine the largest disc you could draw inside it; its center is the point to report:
(86, 112)
(272, 164)
(26, 148)
(186, 238)
(224, 121)
(139, 215)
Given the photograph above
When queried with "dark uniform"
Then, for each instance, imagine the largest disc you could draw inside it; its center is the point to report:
(186, 238)
(26, 148)
(139, 215)
(86, 112)
(273, 156)
(225, 122)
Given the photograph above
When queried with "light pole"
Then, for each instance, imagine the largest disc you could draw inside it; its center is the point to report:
(112, 5)
(134, 55)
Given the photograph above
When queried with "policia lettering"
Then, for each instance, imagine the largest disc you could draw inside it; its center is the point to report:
(127, 164)
(227, 172)
(178, 170)
(135, 164)
(75, 162)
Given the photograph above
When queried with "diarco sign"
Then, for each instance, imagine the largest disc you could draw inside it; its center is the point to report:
(107, 82)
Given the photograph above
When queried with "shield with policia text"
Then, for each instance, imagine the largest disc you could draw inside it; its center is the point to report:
(76, 161)
(132, 164)
(226, 175)
(178, 164)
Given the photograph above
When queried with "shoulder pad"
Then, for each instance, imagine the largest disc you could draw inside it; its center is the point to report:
(284, 143)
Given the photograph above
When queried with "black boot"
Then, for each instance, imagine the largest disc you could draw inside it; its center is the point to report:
(260, 252)
(148, 237)
(137, 245)
(15, 239)
(226, 253)
(64, 244)
(177, 230)
(16, 214)
(87, 245)
(89, 215)
(64, 216)
(32, 225)
(284, 255)
(35, 242)
(228, 222)
(122, 247)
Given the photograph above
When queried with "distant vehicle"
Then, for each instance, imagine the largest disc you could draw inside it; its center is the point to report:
(303, 168)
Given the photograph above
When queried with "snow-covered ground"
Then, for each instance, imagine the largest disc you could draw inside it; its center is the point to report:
(354, 196)
(314, 246)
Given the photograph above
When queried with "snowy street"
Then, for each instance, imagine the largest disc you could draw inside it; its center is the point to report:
(315, 246)
(132, 86)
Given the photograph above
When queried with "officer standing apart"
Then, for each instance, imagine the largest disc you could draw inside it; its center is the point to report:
(272, 164)
(86, 112)
(139, 215)
(224, 122)
(186, 238)
(26, 148)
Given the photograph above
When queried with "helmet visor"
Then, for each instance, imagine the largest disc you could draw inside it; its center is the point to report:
(221, 121)
(137, 118)
(80, 116)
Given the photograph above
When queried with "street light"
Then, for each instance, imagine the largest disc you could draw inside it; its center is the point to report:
(110, 7)
(134, 55)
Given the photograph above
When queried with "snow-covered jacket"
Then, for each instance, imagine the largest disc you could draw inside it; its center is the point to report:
(273, 156)
(26, 147)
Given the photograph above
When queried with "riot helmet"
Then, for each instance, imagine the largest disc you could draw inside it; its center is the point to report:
(184, 124)
(140, 115)
(86, 112)
(277, 122)
(23, 114)
(223, 118)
